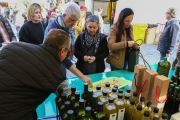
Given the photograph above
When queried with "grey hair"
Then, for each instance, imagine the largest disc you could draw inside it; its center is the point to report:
(57, 39)
(72, 8)
(93, 19)
(173, 12)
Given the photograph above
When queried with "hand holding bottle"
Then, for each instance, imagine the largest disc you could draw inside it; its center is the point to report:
(130, 43)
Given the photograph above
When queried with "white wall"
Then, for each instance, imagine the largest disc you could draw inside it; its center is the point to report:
(148, 11)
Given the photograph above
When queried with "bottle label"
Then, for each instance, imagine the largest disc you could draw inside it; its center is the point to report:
(160, 105)
(121, 114)
(113, 116)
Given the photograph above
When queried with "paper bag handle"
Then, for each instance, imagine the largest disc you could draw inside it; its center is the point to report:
(135, 81)
(157, 97)
(143, 85)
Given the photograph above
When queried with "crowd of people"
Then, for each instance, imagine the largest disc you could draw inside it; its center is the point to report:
(35, 67)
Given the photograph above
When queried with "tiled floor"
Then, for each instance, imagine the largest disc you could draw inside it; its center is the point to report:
(150, 53)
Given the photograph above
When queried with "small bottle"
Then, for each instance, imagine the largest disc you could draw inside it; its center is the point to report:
(128, 92)
(94, 104)
(138, 114)
(129, 110)
(148, 107)
(116, 86)
(72, 96)
(126, 101)
(119, 103)
(155, 118)
(110, 109)
(58, 98)
(100, 115)
(104, 98)
(134, 97)
(85, 93)
(120, 91)
(114, 93)
(164, 116)
(90, 97)
(88, 114)
(107, 88)
(146, 116)
(98, 92)
(154, 113)
(67, 107)
(80, 111)
(141, 102)
(70, 114)
(61, 105)
(75, 103)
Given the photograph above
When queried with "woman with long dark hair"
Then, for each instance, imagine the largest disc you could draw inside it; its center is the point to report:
(120, 40)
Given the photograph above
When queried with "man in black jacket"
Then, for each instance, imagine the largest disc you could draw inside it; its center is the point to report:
(170, 34)
(30, 73)
(6, 32)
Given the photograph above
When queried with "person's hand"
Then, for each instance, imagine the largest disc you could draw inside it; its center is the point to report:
(85, 58)
(135, 47)
(87, 80)
(130, 43)
(92, 59)
(167, 55)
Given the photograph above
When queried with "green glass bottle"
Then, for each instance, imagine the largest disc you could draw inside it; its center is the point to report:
(58, 98)
(98, 92)
(141, 102)
(164, 116)
(146, 116)
(88, 114)
(175, 85)
(70, 114)
(72, 96)
(120, 91)
(94, 104)
(163, 67)
(80, 111)
(170, 90)
(128, 92)
(114, 93)
(61, 105)
(171, 103)
(154, 113)
(134, 97)
(100, 115)
(67, 107)
(147, 108)
(75, 103)
(90, 97)
(129, 110)
(138, 114)
(120, 105)
(175, 76)
(85, 94)
(176, 101)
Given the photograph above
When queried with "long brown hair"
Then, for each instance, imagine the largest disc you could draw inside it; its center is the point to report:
(123, 14)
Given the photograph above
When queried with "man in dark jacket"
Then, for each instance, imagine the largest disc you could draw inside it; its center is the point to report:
(30, 73)
(169, 36)
(6, 32)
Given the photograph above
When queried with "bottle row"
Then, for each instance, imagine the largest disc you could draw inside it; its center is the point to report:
(105, 104)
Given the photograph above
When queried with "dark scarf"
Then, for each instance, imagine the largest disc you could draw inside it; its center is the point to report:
(91, 42)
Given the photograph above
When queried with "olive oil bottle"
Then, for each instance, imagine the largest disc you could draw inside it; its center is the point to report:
(129, 110)
(80, 112)
(85, 93)
(120, 91)
(72, 96)
(146, 116)
(141, 102)
(90, 97)
(114, 93)
(70, 114)
(104, 98)
(128, 92)
(134, 97)
(154, 113)
(147, 108)
(110, 109)
(138, 114)
(126, 101)
(67, 107)
(98, 92)
(107, 88)
(75, 103)
(119, 103)
(88, 114)
(100, 115)
(164, 116)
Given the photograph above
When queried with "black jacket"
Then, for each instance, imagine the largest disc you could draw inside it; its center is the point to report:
(100, 55)
(28, 75)
(9, 30)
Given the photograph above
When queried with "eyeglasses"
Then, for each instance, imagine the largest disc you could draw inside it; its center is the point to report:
(67, 50)
(94, 16)
(168, 13)
(71, 20)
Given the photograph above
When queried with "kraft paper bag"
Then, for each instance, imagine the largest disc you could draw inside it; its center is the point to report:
(161, 85)
(138, 79)
(148, 80)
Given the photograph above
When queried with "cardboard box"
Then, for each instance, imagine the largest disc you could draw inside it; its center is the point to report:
(148, 86)
(138, 75)
(163, 84)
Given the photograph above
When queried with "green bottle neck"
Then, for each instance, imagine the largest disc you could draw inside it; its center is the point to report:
(100, 108)
(90, 96)
(177, 70)
(81, 106)
(73, 93)
(86, 89)
(88, 114)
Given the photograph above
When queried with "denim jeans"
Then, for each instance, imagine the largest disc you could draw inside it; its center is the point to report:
(125, 67)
